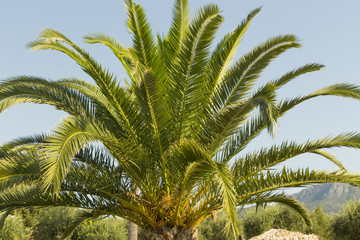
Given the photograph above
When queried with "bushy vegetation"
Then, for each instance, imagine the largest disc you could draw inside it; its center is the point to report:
(107, 229)
(322, 223)
(213, 228)
(50, 223)
(14, 229)
(344, 225)
(256, 222)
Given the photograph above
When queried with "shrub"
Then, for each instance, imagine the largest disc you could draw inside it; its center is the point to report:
(13, 230)
(257, 222)
(110, 228)
(346, 225)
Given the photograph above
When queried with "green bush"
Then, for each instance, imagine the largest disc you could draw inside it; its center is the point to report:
(210, 229)
(321, 224)
(52, 223)
(346, 225)
(110, 228)
(254, 222)
(262, 220)
(29, 216)
(13, 229)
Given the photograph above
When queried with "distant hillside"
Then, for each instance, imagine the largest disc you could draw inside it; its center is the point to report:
(331, 195)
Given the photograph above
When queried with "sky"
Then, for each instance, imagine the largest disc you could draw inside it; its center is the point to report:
(328, 29)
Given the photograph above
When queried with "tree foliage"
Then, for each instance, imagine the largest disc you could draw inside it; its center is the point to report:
(52, 222)
(322, 224)
(163, 151)
(13, 229)
(28, 216)
(346, 224)
(259, 221)
(254, 222)
(110, 229)
(214, 228)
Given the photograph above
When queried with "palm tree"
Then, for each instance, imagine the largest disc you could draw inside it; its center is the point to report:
(162, 150)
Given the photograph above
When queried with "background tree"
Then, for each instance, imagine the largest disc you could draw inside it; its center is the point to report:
(214, 228)
(52, 223)
(346, 225)
(175, 131)
(321, 224)
(259, 221)
(109, 228)
(29, 216)
(14, 229)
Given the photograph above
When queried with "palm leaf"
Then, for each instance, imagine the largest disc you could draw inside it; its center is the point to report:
(60, 148)
(253, 163)
(80, 218)
(144, 45)
(224, 53)
(241, 77)
(192, 58)
(119, 51)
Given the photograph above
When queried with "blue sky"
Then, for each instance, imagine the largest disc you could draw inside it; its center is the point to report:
(329, 31)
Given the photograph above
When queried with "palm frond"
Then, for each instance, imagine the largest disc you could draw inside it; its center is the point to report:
(185, 95)
(177, 32)
(311, 67)
(80, 218)
(341, 90)
(22, 144)
(269, 181)
(265, 98)
(220, 127)
(20, 168)
(330, 157)
(253, 127)
(26, 89)
(144, 45)
(50, 39)
(224, 177)
(224, 52)
(60, 148)
(117, 48)
(117, 121)
(253, 163)
(240, 78)
(150, 94)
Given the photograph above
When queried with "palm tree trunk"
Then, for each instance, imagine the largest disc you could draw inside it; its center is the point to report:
(170, 234)
(132, 231)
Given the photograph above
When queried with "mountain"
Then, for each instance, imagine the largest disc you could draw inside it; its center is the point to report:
(332, 196)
